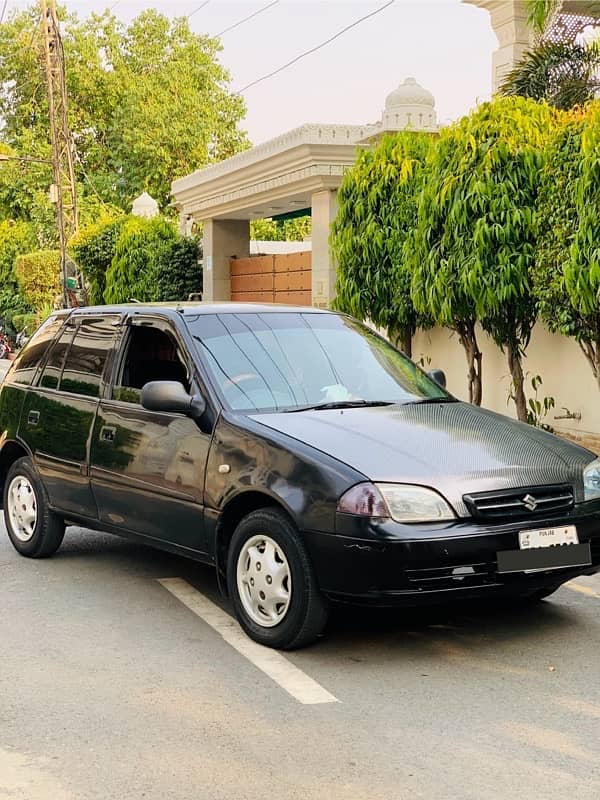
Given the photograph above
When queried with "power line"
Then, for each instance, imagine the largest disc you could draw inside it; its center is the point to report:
(245, 19)
(3, 12)
(200, 7)
(317, 47)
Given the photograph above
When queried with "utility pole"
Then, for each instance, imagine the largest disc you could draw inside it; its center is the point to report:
(60, 135)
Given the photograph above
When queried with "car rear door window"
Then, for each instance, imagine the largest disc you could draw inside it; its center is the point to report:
(52, 371)
(86, 359)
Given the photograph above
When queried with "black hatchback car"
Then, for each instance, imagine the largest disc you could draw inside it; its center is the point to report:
(294, 449)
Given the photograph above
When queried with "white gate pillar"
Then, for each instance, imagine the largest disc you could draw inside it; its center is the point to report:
(509, 21)
(324, 210)
(222, 240)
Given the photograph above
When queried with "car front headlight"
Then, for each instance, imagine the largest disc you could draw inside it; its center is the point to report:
(400, 501)
(591, 480)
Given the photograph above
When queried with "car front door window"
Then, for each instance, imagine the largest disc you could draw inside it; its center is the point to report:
(151, 354)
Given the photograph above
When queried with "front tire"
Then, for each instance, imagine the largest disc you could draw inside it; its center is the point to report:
(272, 583)
(33, 529)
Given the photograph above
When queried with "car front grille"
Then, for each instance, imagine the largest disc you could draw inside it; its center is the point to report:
(525, 502)
(452, 577)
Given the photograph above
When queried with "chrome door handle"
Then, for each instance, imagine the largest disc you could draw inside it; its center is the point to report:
(33, 418)
(107, 433)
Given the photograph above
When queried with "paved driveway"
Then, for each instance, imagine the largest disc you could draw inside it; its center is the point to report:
(111, 687)
(4, 365)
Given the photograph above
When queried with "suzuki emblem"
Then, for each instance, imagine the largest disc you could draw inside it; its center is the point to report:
(529, 502)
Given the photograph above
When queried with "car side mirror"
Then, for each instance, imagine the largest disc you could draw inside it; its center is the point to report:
(439, 376)
(171, 396)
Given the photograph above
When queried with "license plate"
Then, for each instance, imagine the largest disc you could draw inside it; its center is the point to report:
(544, 549)
(548, 537)
(541, 559)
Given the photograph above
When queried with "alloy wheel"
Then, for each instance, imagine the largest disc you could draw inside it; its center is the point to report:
(22, 508)
(264, 580)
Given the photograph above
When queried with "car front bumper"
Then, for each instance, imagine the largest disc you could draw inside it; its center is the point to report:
(388, 563)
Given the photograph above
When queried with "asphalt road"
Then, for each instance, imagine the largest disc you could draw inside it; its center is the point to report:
(112, 688)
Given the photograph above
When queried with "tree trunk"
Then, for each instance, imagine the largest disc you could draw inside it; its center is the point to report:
(405, 340)
(402, 339)
(468, 339)
(591, 350)
(516, 371)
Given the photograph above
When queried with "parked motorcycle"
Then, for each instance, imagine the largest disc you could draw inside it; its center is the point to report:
(5, 348)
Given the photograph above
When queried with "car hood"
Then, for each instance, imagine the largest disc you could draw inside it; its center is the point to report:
(455, 448)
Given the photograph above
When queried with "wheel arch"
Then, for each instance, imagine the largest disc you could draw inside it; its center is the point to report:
(232, 514)
(11, 452)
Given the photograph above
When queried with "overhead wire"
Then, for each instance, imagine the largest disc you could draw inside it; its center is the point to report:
(316, 47)
(245, 19)
(200, 7)
(3, 12)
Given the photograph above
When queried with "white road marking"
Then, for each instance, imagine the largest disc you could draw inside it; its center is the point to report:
(579, 587)
(272, 663)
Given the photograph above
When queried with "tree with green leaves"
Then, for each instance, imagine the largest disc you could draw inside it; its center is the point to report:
(93, 249)
(558, 223)
(288, 230)
(378, 202)
(564, 74)
(474, 245)
(582, 268)
(139, 249)
(148, 101)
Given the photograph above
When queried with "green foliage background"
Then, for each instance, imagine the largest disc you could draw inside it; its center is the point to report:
(378, 204)
(38, 277)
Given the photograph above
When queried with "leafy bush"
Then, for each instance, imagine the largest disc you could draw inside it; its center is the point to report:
(178, 270)
(38, 276)
(288, 230)
(16, 237)
(133, 272)
(93, 249)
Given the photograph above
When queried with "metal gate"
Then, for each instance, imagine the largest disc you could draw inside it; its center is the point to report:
(272, 279)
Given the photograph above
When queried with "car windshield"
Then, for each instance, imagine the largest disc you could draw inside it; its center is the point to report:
(286, 361)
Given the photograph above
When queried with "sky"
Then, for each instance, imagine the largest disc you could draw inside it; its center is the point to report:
(445, 44)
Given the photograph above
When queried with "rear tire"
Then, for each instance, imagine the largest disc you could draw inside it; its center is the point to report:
(33, 529)
(272, 583)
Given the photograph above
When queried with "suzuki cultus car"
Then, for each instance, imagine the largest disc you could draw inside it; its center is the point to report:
(298, 452)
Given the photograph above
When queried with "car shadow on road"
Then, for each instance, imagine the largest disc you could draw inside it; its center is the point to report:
(479, 625)
(460, 631)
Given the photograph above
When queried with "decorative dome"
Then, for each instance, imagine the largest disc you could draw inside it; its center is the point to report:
(409, 93)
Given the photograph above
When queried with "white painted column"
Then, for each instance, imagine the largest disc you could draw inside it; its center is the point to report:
(509, 21)
(222, 240)
(324, 210)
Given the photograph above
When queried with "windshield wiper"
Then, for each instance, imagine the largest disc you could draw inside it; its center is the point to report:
(423, 400)
(326, 406)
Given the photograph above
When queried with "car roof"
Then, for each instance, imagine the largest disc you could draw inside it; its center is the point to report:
(195, 308)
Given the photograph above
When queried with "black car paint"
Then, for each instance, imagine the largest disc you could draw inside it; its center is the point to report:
(267, 462)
